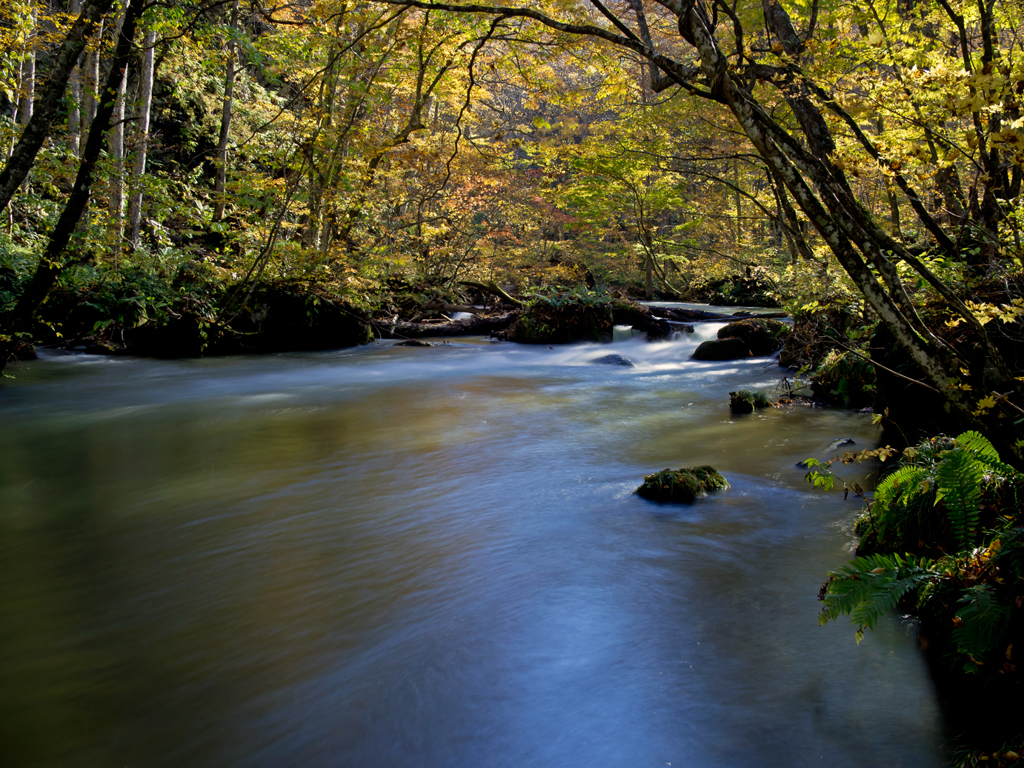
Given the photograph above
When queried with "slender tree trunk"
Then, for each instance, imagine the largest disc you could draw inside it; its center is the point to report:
(141, 135)
(28, 75)
(115, 149)
(739, 200)
(48, 101)
(649, 273)
(894, 210)
(91, 76)
(53, 260)
(9, 148)
(225, 121)
(75, 95)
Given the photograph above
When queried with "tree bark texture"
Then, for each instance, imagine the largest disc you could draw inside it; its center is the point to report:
(75, 95)
(144, 106)
(225, 120)
(115, 150)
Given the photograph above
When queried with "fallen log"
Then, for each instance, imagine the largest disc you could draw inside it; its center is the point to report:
(480, 325)
(444, 306)
(494, 290)
(687, 315)
(682, 315)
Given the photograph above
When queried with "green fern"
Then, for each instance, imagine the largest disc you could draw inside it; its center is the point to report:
(902, 485)
(978, 444)
(981, 624)
(959, 480)
(899, 502)
(870, 587)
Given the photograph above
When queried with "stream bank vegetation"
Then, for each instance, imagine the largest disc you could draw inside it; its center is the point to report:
(943, 540)
(196, 177)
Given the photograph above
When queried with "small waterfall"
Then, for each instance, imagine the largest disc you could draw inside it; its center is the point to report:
(684, 331)
(705, 331)
(624, 333)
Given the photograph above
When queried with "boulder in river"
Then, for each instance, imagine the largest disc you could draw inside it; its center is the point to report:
(762, 336)
(722, 349)
(414, 343)
(581, 316)
(745, 401)
(681, 485)
(614, 360)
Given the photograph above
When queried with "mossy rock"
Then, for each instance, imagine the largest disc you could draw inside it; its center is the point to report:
(722, 349)
(762, 336)
(283, 316)
(745, 401)
(567, 318)
(546, 322)
(681, 485)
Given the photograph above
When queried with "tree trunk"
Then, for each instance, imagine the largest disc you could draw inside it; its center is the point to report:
(75, 96)
(225, 121)
(53, 261)
(115, 150)
(48, 101)
(91, 76)
(28, 75)
(738, 237)
(145, 102)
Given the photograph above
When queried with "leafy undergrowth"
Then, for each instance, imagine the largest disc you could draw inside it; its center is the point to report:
(943, 539)
(828, 348)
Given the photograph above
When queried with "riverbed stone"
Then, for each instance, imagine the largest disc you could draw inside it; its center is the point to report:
(745, 401)
(722, 349)
(681, 485)
(762, 336)
(614, 360)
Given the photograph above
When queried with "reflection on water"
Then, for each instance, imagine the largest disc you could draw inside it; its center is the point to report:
(393, 556)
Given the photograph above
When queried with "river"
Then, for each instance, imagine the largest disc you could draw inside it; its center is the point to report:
(391, 556)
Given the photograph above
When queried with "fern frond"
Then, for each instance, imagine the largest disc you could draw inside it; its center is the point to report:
(983, 621)
(978, 444)
(869, 587)
(959, 481)
(1001, 470)
(898, 484)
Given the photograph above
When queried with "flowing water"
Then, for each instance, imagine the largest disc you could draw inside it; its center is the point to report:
(396, 556)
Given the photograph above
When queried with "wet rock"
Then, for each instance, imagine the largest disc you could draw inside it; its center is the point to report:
(566, 319)
(413, 343)
(681, 485)
(840, 442)
(551, 322)
(762, 336)
(745, 401)
(614, 360)
(722, 349)
(291, 316)
(99, 348)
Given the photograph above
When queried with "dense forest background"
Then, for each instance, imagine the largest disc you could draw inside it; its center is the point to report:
(182, 159)
(182, 177)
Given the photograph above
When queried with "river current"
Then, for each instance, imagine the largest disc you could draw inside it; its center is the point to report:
(392, 556)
